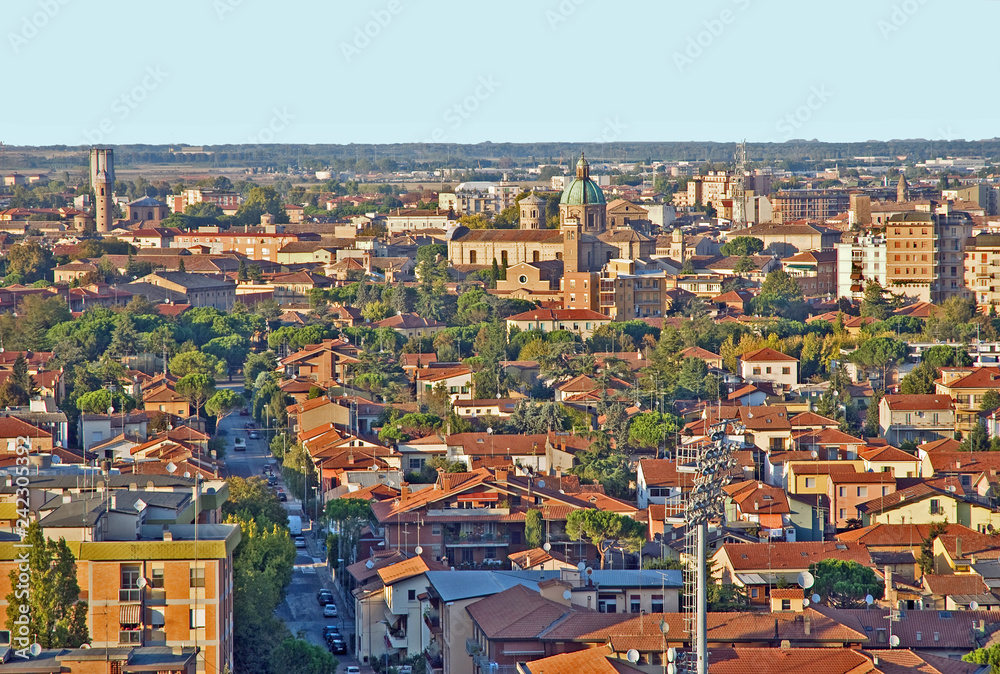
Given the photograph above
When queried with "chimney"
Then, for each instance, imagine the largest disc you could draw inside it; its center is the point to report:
(807, 623)
(527, 560)
(114, 500)
(168, 535)
(887, 572)
(404, 489)
(958, 547)
(67, 498)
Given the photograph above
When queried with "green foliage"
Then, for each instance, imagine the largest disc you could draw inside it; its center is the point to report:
(410, 426)
(941, 355)
(742, 246)
(978, 439)
(882, 353)
(196, 388)
(534, 528)
(250, 497)
(990, 401)
(30, 261)
(845, 583)
(231, 349)
(260, 200)
(300, 656)
(257, 363)
(57, 618)
(926, 559)
(875, 303)
(196, 362)
(652, 429)
(987, 655)
(664, 563)
(532, 418)
(871, 427)
(98, 402)
(780, 295)
(606, 530)
(223, 403)
(919, 380)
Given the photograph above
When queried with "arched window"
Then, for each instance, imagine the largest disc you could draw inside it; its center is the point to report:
(149, 215)
(102, 191)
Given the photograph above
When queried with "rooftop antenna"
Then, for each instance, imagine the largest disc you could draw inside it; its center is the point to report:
(739, 219)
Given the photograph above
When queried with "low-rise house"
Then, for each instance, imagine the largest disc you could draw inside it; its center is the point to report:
(890, 459)
(180, 287)
(457, 382)
(847, 490)
(659, 482)
(967, 386)
(412, 325)
(768, 365)
(916, 418)
(581, 322)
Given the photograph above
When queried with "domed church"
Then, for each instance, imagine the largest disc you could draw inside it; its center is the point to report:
(581, 242)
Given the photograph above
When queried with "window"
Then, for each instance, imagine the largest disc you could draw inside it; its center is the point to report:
(197, 577)
(472, 257)
(754, 593)
(786, 370)
(411, 595)
(810, 483)
(129, 588)
(197, 616)
(768, 370)
(490, 553)
(786, 604)
(935, 506)
(862, 491)
(657, 603)
(436, 530)
(756, 370)
(156, 618)
(842, 491)
(880, 635)
(633, 603)
(843, 514)
(156, 577)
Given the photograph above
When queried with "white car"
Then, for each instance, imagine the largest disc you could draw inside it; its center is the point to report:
(330, 611)
(300, 542)
(240, 445)
(353, 669)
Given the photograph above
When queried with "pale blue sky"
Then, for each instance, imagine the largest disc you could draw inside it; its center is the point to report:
(236, 71)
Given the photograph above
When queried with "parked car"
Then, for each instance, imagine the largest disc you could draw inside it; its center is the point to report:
(338, 647)
(281, 496)
(404, 669)
(240, 445)
(330, 611)
(352, 669)
(300, 542)
(331, 631)
(324, 597)
(254, 435)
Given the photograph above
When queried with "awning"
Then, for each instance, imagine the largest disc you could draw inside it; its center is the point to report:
(131, 614)
(480, 496)
(770, 521)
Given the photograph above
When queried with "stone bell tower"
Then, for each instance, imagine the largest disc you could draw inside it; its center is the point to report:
(102, 179)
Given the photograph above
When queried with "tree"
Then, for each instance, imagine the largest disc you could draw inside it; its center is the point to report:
(300, 656)
(196, 388)
(261, 200)
(926, 560)
(987, 655)
(874, 303)
(56, 616)
(989, 401)
(871, 428)
(919, 380)
(651, 429)
(196, 362)
(257, 363)
(606, 530)
(742, 246)
(744, 265)
(21, 377)
(978, 439)
(845, 583)
(98, 402)
(351, 515)
(941, 355)
(665, 563)
(534, 528)
(29, 261)
(692, 376)
(223, 403)
(232, 349)
(375, 311)
(882, 353)
(780, 294)
(252, 497)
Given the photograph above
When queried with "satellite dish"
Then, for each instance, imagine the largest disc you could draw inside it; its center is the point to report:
(806, 580)
(671, 668)
(547, 546)
(664, 626)
(894, 641)
(369, 565)
(632, 656)
(187, 473)
(171, 467)
(671, 654)
(142, 582)
(805, 602)
(35, 649)
(589, 571)
(567, 595)
(815, 598)
(419, 550)
(541, 484)
(814, 454)
(869, 599)
(84, 645)
(581, 566)
(951, 488)
(974, 606)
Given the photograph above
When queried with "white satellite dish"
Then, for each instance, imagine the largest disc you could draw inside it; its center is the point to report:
(951, 488)
(369, 565)
(869, 599)
(814, 454)
(815, 598)
(806, 580)
(974, 606)
(671, 668)
(664, 626)
(547, 546)
(541, 484)
(671, 654)
(84, 645)
(142, 582)
(187, 473)
(805, 602)
(894, 641)
(171, 467)
(581, 566)
(567, 594)
(632, 656)
(419, 550)
(35, 649)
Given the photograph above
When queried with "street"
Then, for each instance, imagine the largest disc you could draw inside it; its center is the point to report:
(300, 610)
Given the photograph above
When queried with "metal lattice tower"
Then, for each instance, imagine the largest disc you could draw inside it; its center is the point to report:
(709, 462)
(739, 188)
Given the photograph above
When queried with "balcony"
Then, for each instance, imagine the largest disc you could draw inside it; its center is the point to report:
(472, 647)
(130, 595)
(433, 623)
(476, 540)
(435, 663)
(395, 638)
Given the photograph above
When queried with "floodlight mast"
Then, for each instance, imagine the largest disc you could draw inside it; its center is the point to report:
(710, 463)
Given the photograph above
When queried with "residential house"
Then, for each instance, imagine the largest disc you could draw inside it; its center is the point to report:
(457, 382)
(768, 365)
(179, 287)
(412, 325)
(847, 490)
(658, 481)
(967, 389)
(582, 322)
(916, 418)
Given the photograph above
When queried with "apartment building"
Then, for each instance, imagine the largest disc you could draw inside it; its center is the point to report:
(926, 254)
(916, 418)
(967, 388)
(982, 269)
(860, 260)
(815, 271)
(255, 245)
(805, 204)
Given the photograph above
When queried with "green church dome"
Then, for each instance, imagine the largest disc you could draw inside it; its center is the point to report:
(582, 190)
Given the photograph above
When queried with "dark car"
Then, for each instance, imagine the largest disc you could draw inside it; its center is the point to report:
(331, 632)
(254, 435)
(282, 497)
(338, 647)
(324, 597)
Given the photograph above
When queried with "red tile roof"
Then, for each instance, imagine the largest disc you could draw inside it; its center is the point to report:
(791, 556)
(766, 355)
(981, 377)
(559, 315)
(789, 661)
(516, 613)
(919, 402)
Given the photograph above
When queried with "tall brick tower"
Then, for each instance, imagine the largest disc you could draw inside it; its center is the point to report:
(102, 179)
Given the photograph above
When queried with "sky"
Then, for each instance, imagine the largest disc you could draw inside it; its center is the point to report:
(202, 72)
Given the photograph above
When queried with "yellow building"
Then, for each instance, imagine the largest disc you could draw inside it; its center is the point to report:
(812, 477)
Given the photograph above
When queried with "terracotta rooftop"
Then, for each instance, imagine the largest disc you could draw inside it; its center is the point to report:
(766, 355)
(791, 556)
(919, 402)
